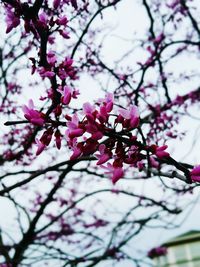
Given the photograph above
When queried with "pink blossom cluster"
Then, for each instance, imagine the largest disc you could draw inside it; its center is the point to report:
(63, 70)
(12, 20)
(195, 174)
(32, 115)
(156, 252)
(99, 131)
(46, 138)
(112, 137)
(36, 24)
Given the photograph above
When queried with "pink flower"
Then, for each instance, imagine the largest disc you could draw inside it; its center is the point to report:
(75, 93)
(132, 156)
(73, 128)
(66, 69)
(45, 73)
(161, 153)
(131, 116)
(106, 106)
(91, 127)
(43, 20)
(140, 165)
(33, 115)
(159, 38)
(89, 110)
(76, 153)
(107, 102)
(56, 3)
(109, 99)
(116, 172)
(67, 95)
(195, 174)
(58, 139)
(40, 146)
(68, 62)
(74, 122)
(103, 156)
(47, 136)
(122, 77)
(75, 147)
(62, 74)
(62, 21)
(11, 20)
(51, 58)
(102, 115)
(73, 3)
(76, 133)
(173, 4)
(64, 34)
(156, 252)
(90, 146)
(153, 162)
(97, 135)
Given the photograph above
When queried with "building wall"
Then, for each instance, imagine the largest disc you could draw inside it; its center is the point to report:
(186, 255)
